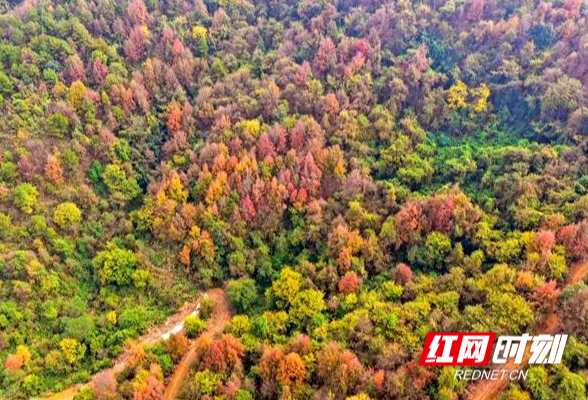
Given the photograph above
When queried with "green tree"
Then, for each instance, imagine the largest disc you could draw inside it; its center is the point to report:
(115, 265)
(536, 382)
(57, 125)
(307, 305)
(243, 293)
(285, 288)
(392, 291)
(117, 182)
(194, 326)
(134, 319)
(572, 387)
(70, 160)
(204, 383)
(243, 395)
(73, 350)
(509, 312)
(202, 46)
(432, 255)
(67, 215)
(79, 328)
(6, 84)
(25, 197)
(77, 93)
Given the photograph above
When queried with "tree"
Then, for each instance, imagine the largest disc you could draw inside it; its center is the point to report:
(457, 96)
(392, 291)
(286, 287)
(14, 361)
(174, 116)
(25, 197)
(202, 46)
(24, 353)
(481, 96)
(271, 360)
(99, 70)
(117, 182)
(134, 319)
(409, 222)
(73, 350)
(543, 242)
(115, 265)
(325, 56)
(193, 326)
(137, 12)
(77, 93)
(543, 35)
(53, 170)
(292, 370)
(243, 395)
(572, 387)
(575, 312)
(575, 240)
(310, 175)
(79, 328)
(57, 125)
(562, 98)
(26, 167)
(339, 370)
(66, 215)
(348, 283)
(134, 46)
(221, 355)
(199, 31)
(546, 296)
(176, 346)
(402, 274)
(242, 293)
(104, 385)
(6, 84)
(152, 389)
(536, 382)
(509, 312)
(432, 255)
(306, 307)
(204, 384)
(361, 396)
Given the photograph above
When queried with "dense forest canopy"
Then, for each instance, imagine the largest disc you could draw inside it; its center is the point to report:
(354, 173)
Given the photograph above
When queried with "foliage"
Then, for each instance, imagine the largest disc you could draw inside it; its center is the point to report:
(193, 326)
(25, 197)
(355, 174)
(66, 215)
(115, 265)
(243, 293)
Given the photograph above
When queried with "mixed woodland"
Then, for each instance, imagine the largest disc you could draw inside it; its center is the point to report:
(353, 173)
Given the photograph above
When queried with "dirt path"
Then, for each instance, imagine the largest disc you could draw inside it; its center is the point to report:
(66, 394)
(151, 337)
(220, 317)
(489, 389)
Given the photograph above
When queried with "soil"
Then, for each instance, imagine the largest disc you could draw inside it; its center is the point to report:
(220, 317)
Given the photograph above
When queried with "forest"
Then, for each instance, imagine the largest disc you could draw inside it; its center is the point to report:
(349, 174)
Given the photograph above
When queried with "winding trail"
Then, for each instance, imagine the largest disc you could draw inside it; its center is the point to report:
(220, 317)
(173, 324)
(550, 324)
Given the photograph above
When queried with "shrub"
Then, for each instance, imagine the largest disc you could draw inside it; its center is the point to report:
(194, 326)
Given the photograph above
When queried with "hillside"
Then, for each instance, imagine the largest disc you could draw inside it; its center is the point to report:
(352, 173)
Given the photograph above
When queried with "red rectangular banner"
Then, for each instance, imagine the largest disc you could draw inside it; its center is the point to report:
(453, 348)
